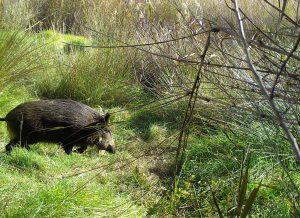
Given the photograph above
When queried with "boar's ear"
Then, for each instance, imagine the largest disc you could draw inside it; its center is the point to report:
(106, 118)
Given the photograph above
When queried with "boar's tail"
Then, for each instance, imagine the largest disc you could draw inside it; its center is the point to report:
(2, 119)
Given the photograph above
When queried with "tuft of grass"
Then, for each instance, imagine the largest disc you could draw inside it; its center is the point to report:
(169, 115)
(63, 42)
(25, 160)
(157, 133)
(93, 77)
(20, 57)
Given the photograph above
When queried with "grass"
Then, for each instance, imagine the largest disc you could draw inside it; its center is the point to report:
(36, 178)
(45, 196)
(63, 42)
(47, 182)
(96, 77)
(136, 181)
(20, 57)
(215, 160)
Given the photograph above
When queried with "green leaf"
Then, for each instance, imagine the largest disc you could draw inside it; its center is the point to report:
(243, 189)
(250, 201)
(150, 12)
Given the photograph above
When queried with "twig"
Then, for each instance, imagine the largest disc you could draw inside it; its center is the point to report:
(263, 89)
(188, 114)
(283, 66)
(144, 44)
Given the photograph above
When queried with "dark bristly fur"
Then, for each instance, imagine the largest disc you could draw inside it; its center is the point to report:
(60, 121)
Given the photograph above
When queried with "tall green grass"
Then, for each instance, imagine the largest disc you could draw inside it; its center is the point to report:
(94, 77)
(213, 164)
(20, 57)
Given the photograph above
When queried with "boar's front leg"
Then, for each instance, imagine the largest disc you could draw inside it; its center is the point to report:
(81, 149)
(68, 148)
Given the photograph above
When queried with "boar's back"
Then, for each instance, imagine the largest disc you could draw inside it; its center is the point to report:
(54, 113)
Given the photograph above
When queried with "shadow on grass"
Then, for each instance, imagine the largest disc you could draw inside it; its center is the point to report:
(169, 117)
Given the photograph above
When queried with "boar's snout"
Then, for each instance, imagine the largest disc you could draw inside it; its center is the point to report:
(111, 149)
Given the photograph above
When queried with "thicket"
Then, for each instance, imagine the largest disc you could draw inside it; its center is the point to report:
(221, 77)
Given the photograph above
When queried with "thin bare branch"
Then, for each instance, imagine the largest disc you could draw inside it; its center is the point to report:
(263, 89)
(283, 66)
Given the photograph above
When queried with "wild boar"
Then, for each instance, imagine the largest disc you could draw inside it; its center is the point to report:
(67, 122)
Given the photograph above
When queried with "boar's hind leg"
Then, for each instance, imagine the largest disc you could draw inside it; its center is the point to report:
(26, 143)
(10, 145)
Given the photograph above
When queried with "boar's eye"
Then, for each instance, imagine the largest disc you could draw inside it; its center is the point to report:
(100, 146)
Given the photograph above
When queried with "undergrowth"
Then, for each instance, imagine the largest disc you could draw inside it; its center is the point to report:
(147, 98)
